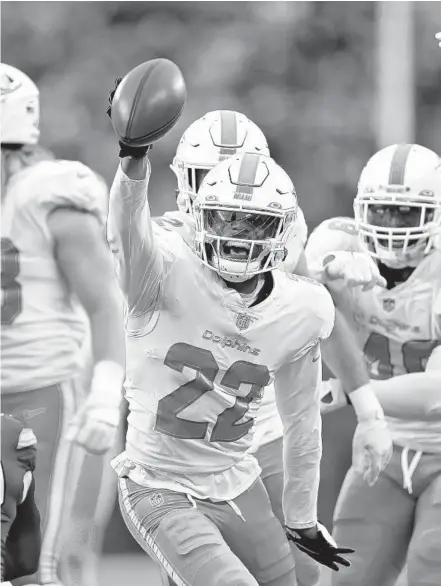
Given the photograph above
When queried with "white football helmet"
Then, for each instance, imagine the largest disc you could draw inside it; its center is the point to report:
(398, 204)
(208, 141)
(20, 107)
(245, 210)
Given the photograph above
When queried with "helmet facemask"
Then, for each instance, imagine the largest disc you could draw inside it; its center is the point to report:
(189, 178)
(239, 243)
(398, 230)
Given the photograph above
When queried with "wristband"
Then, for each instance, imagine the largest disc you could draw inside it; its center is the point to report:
(107, 382)
(366, 404)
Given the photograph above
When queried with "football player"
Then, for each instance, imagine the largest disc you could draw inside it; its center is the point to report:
(56, 269)
(217, 136)
(398, 222)
(211, 139)
(201, 329)
(21, 537)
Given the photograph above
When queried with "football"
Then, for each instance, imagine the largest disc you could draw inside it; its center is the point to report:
(148, 102)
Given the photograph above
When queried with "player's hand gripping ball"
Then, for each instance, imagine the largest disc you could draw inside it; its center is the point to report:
(146, 104)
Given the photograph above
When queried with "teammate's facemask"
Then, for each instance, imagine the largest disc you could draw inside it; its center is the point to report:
(398, 235)
(398, 205)
(241, 240)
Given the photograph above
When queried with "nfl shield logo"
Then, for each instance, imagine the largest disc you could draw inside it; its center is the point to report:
(388, 304)
(243, 321)
(156, 499)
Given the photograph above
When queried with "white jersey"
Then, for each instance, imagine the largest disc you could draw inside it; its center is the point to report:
(397, 328)
(269, 426)
(43, 325)
(199, 361)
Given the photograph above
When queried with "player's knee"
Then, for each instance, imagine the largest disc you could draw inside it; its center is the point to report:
(424, 559)
(308, 571)
(203, 556)
(274, 561)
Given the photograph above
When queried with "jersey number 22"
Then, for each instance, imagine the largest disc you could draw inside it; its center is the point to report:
(227, 427)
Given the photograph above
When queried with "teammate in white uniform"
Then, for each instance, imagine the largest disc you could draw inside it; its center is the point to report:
(398, 221)
(56, 267)
(202, 325)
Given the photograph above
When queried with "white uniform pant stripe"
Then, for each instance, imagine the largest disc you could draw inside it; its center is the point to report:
(145, 540)
(64, 473)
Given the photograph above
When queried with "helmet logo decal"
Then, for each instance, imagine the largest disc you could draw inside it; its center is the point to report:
(244, 192)
(8, 84)
(226, 153)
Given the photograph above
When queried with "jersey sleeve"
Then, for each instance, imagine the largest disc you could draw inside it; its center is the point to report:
(297, 387)
(317, 316)
(296, 243)
(145, 256)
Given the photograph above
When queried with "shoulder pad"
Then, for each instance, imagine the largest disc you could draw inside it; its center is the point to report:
(71, 184)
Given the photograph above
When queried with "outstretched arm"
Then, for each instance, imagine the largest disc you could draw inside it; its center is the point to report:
(372, 445)
(130, 232)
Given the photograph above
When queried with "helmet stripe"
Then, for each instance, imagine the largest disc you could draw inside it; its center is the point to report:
(228, 128)
(247, 176)
(398, 164)
(248, 169)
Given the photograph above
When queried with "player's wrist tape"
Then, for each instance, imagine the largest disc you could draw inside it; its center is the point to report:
(107, 382)
(366, 404)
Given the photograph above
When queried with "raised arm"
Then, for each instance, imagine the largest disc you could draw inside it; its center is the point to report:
(131, 237)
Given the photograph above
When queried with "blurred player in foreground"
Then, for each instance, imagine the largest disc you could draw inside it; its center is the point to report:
(398, 221)
(21, 536)
(211, 139)
(201, 330)
(55, 265)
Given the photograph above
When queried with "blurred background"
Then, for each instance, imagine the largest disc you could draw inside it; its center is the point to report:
(307, 73)
(327, 82)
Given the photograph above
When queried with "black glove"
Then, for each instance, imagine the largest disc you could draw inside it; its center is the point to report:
(321, 548)
(126, 151)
